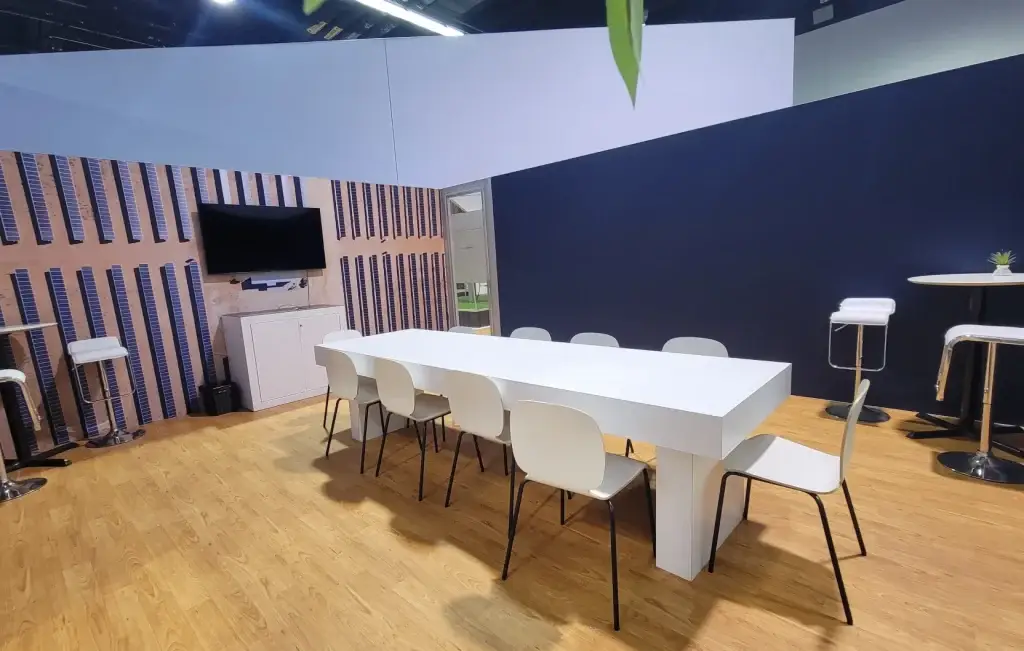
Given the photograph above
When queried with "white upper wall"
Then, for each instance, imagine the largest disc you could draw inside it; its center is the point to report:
(471, 108)
(463, 108)
(909, 39)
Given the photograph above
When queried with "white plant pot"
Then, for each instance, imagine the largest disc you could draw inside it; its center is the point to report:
(1002, 270)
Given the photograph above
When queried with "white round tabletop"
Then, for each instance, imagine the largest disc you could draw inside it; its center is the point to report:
(971, 280)
(11, 329)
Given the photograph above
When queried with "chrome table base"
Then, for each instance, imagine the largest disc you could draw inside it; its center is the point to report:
(980, 465)
(11, 490)
(116, 437)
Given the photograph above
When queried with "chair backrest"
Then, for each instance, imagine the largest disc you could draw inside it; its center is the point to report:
(558, 446)
(850, 431)
(695, 346)
(341, 335)
(476, 404)
(90, 345)
(529, 332)
(395, 387)
(466, 330)
(595, 339)
(342, 375)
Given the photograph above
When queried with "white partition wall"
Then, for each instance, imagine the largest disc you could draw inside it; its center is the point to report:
(500, 103)
(463, 108)
(909, 39)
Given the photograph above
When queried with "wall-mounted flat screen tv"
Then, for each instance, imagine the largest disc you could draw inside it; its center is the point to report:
(240, 239)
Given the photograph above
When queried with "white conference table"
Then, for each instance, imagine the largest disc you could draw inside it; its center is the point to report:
(695, 409)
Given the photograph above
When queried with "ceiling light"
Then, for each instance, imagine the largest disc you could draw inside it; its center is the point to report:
(409, 16)
(224, 2)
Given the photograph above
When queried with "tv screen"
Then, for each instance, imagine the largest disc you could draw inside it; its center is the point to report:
(240, 239)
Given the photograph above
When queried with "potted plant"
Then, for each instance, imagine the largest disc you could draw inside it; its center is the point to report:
(1002, 260)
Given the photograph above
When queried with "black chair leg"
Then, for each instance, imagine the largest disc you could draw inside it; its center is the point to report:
(444, 431)
(330, 436)
(629, 447)
(512, 530)
(650, 510)
(511, 493)
(746, 500)
(362, 447)
(615, 567)
(561, 507)
(479, 458)
(718, 523)
(423, 456)
(853, 516)
(383, 440)
(504, 458)
(835, 559)
(327, 403)
(451, 477)
(433, 428)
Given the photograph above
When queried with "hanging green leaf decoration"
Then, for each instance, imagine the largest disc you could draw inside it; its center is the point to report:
(309, 6)
(625, 31)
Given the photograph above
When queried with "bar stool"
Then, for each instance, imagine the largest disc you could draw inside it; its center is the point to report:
(97, 351)
(10, 489)
(981, 464)
(860, 312)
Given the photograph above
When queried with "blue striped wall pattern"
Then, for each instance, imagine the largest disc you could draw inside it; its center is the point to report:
(110, 248)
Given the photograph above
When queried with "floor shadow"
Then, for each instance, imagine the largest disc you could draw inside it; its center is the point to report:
(561, 575)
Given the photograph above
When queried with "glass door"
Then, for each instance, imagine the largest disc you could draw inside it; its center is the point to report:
(470, 244)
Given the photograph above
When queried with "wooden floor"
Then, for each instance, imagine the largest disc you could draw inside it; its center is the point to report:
(235, 533)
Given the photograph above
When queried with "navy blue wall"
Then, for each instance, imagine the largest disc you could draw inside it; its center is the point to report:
(751, 232)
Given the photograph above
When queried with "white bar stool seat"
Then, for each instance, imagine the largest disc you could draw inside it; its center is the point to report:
(861, 313)
(9, 488)
(981, 464)
(98, 351)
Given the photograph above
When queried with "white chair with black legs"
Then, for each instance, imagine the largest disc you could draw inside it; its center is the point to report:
(466, 330)
(399, 396)
(101, 351)
(347, 384)
(477, 409)
(337, 335)
(860, 312)
(563, 448)
(9, 488)
(779, 461)
(689, 346)
(595, 339)
(980, 464)
(530, 332)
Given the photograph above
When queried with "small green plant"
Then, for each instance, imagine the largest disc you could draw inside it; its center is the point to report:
(1002, 258)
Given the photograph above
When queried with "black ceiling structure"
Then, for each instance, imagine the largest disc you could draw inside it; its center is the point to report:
(76, 25)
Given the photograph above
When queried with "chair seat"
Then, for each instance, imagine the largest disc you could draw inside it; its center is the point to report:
(98, 355)
(11, 375)
(429, 407)
(781, 461)
(985, 333)
(619, 472)
(367, 390)
(860, 317)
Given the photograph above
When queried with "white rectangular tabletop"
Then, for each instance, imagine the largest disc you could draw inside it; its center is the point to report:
(696, 404)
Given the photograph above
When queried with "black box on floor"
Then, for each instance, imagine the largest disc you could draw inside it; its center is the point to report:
(217, 400)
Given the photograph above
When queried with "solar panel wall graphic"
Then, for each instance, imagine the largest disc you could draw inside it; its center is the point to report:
(112, 248)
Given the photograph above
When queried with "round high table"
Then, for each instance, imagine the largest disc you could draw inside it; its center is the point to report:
(964, 425)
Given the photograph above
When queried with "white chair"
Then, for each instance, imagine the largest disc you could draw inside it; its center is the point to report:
(337, 335)
(466, 330)
(595, 339)
(695, 346)
(9, 488)
(529, 332)
(981, 464)
(478, 410)
(689, 346)
(775, 460)
(399, 395)
(860, 312)
(99, 351)
(563, 448)
(349, 385)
